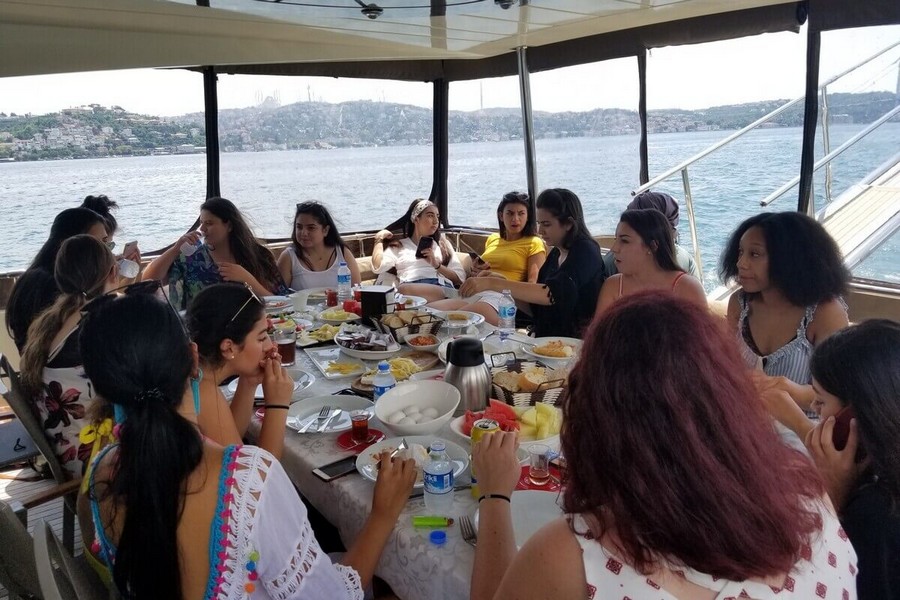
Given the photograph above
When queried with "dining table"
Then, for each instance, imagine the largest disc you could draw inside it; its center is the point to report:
(414, 567)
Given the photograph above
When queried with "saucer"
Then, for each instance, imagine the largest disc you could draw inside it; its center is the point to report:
(345, 440)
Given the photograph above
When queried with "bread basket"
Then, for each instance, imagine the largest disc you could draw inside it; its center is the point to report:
(548, 392)
(412, 322)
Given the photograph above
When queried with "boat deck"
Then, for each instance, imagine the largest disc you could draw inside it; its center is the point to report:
(866, 215)
(18, 484)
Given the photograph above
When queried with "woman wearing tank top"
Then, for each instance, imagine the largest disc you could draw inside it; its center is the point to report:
(645, 258)
(792, 278)
(314, 256)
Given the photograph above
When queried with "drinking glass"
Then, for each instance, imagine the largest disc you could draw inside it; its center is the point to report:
(539, 465)
(287, 348)
(359, 420)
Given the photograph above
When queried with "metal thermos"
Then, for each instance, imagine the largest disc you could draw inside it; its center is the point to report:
(467, 371)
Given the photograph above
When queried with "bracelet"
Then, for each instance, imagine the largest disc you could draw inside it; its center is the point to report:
(497, 496)
(284, 406)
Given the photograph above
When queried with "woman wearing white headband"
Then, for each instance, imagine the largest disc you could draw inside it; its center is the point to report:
(430, 270)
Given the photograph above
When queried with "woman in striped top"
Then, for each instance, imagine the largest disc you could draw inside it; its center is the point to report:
(792, 278)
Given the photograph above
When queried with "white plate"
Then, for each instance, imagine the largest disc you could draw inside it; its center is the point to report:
(366, 354)
(321, 357)
(302, 380)
(471, 318)
(350, 318)
(275, 305)
(366, 462)
(302, 411)
(574, 342)
(552, 441)
(531, 510)
(304, 340)
(416, 301)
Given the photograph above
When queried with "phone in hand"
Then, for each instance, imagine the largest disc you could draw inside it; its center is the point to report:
(424, 244)
(841, 432)
(477, 261)
(129, 248)
(337, 469)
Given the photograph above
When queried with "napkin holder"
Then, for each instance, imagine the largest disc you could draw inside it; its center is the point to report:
(376, 300)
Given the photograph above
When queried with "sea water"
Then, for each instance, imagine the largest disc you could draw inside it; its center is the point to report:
(367, 188)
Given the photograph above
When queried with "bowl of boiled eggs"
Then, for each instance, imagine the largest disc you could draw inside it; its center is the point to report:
(417, 407)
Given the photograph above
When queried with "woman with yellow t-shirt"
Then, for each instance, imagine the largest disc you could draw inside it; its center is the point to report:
(515, 253)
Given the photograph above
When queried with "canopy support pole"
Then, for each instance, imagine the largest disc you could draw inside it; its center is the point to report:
(642, 114)
(440, 147)
(527, 124)
(810, 117)
(211, 117)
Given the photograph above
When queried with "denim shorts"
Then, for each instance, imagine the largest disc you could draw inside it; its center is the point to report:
(433, 281)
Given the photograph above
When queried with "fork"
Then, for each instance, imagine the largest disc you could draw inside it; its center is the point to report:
(401, 446)
(320, 418)
(469, 535)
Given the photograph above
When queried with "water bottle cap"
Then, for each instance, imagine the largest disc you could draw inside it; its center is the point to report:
(343, 263)
(507, 293)
(438, 446)
(438, 538)
(384, 366)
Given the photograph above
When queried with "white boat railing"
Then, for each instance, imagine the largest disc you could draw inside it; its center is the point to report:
(682, 167)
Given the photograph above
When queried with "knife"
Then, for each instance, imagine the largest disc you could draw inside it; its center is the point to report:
(334, 415)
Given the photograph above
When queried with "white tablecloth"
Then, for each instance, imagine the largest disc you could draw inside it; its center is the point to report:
(415, 568)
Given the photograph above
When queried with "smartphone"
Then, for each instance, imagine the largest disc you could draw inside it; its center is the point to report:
(344, 466)
(841, 432)
(424, 244)
(129, 247)
(477, 261)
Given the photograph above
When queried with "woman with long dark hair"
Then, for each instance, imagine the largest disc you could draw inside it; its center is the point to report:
(178, 516)
(104, 206)
(645, 259)
(434, 272)
(516, 253)
(228, 252)
(51, 371)
(227, 322)
(561, 302)
(314, 256)
(35, 289)
(792, 279)
(856, 373)
(676, 485)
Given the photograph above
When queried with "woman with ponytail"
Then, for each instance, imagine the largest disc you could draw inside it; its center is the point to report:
(176, 515)
(51, 360)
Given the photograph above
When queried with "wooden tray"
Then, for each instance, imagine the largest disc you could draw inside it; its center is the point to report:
(425, 360)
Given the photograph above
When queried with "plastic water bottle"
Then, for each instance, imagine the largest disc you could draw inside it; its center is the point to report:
(343, 282)
(438, 479)
(507, 312)
(188, 249)
(128, 268)
(383, 380)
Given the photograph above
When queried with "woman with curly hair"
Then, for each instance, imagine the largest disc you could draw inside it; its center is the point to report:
(676, 486)
(792, 278)
(229, 252)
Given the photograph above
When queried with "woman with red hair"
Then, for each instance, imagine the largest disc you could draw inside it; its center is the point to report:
(676, 485)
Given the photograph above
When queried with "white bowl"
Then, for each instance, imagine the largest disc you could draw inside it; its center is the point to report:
(428, 347)
(422, 394)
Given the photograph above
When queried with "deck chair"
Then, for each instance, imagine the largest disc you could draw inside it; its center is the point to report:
(66, 486)
(71, 579)
(18, 573)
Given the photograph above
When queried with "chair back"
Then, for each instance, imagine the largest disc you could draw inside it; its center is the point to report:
(23, 407)
(72, 579)
(18, 573)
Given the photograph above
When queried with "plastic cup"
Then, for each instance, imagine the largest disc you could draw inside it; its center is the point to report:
(128, 268)
(287, 346)
(189, 249)
(539, 464)
(299, 300)
(359, 421)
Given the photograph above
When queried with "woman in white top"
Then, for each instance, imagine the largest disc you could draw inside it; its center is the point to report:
(676, 485)
(192, 519)
(432, 272)
(314, 256)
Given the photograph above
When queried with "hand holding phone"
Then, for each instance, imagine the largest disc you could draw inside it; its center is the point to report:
(841, 432)
(424, 244)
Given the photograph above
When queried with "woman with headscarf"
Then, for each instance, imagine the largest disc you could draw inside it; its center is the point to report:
(668, 206)
(432, 272)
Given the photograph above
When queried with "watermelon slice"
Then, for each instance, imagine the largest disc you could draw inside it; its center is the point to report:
(502, 408)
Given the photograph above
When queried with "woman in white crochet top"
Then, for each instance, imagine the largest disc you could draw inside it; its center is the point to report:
(191, 519)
